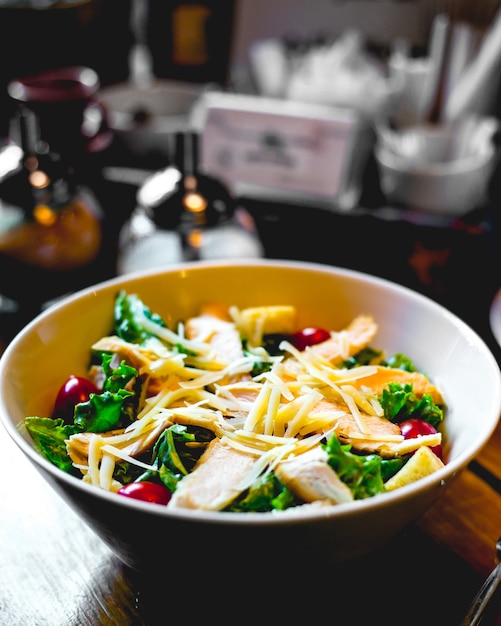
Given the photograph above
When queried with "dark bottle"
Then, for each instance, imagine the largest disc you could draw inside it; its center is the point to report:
(184, 215)
(50, 227)
(189, 40)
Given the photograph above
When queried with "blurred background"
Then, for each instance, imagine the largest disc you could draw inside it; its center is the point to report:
(359, 133)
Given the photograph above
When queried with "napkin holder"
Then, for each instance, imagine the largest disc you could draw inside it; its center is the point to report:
(275, 149)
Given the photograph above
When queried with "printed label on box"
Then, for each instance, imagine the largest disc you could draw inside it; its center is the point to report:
(293, 152)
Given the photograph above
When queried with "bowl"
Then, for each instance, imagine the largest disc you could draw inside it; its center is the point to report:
(141, 534)
(145, 119)
(440, 169)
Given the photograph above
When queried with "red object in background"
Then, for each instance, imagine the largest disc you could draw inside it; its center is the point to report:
(71, 120)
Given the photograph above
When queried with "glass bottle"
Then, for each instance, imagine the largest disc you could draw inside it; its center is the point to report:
(184, 215)
(50, 227)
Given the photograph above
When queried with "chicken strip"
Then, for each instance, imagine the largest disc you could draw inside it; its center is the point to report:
(214, 483)
(385, 375)
(312, 479)
(222, 336)
(355, 337)
(378, 430)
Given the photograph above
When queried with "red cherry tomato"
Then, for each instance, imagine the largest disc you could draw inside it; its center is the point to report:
(73, 391)
(309, 337)
(146, 491)
(413, 427)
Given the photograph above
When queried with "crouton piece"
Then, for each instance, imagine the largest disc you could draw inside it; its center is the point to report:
(422, 463)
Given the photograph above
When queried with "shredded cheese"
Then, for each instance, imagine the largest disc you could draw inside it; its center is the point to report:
(290, 408)
(94, 457)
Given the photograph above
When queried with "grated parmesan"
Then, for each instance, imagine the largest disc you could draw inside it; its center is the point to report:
(279, 414)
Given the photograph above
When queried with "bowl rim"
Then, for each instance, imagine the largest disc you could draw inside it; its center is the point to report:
(466, 165)
(290, 516)
(483, 156)
(495, 316)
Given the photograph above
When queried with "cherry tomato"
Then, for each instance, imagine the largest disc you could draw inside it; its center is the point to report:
(146, 491)
(309, 337)
(413, 427)
(74, 390)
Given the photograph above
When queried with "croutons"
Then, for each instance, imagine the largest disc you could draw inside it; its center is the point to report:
(422, 463)
(254, 322)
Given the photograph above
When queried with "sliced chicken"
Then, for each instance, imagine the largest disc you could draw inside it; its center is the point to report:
(78, 445)
(214, 483)
(134, 355)
(131, 353)
(355, 337)
(378, 430)
(222, 336)
(385, 375)
(311, 478)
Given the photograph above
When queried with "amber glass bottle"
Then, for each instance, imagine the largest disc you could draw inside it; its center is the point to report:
(50, 227)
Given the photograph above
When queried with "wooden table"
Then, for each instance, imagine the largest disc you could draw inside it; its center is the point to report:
(54, 571)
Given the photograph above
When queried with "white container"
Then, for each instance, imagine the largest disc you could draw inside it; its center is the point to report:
(437, 169)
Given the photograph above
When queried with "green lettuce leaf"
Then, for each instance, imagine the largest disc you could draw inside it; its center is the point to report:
(128, 313)
(400, 403)
(361, 473)
(49, 436)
